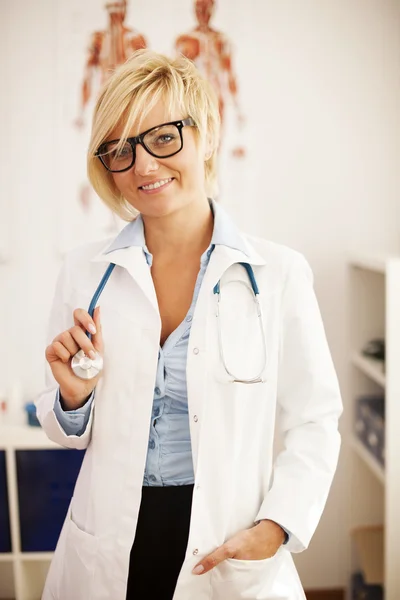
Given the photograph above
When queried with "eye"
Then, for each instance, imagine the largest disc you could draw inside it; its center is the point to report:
(118, 154)
(125, 150)
(165, 138)
(162, 137)
(115, 158)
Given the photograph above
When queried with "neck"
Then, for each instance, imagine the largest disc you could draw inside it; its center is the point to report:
(186, 232)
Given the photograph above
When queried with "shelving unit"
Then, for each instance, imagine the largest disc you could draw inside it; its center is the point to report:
(375, 490)
(371, 368)
(369, 460)
(22, 574)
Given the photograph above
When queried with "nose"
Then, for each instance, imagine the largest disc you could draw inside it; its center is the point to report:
(145, 163)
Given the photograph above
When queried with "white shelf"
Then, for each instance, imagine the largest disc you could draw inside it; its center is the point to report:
(31, 579)
(24, 437)
(35, 556)
(370, 367)
(6, 556)
(375, 263)
(368, 458)
(22, 574)
(375, 490)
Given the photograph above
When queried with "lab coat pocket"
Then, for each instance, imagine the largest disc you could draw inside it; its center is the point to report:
(79, 563)
(249, 579)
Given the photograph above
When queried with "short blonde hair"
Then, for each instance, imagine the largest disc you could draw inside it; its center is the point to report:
(127, 98)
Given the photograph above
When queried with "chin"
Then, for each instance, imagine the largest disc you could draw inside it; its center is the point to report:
(159, 207)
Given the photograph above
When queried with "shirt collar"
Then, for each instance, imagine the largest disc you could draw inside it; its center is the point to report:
(225, 233)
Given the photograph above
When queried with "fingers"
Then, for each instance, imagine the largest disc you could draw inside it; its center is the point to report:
(213, 559)
(68, 343)
(56, 351)
(84, 320)
(97, 338)
(255, 543)
(93, 326)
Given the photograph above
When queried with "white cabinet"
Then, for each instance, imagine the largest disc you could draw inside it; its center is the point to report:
(22, 573)
(375, 489)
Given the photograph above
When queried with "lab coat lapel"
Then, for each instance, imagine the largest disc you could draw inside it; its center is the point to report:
(133, 260)
(221, 259)
(224, 257)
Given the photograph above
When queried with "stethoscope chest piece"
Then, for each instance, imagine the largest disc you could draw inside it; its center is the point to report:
(85, 367)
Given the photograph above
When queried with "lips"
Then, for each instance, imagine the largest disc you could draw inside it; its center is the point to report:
(153, 185)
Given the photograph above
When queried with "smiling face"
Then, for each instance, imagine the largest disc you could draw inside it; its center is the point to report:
(160, 186)
(147, 91)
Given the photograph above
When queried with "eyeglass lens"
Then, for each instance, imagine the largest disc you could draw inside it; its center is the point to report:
(162, 141)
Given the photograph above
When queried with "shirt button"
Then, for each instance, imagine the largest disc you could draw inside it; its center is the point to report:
(153, 478)
(195, 551)
(196, 350)
(152, 445)
(195, 418)
(157, 391)
(189, 318)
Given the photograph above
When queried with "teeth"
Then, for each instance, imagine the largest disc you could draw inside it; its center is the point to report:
(156, 185)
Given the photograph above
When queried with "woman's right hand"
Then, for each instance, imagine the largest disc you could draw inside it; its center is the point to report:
(75, 391)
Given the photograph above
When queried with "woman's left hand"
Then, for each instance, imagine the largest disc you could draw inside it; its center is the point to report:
(258, 543)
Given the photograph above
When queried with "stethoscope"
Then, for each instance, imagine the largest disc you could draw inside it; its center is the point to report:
(83, 366)
(87, 368)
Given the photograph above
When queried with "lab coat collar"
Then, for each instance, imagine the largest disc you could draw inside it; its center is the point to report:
(127, 252)
(225, 233)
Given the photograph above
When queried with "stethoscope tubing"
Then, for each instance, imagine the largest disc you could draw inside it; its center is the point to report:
(98, 292)
(217, 291)
(83, 366)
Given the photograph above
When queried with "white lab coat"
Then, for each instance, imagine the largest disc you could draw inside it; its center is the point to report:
(232, 425)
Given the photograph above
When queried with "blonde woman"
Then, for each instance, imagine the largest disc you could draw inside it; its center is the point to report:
(206, 334)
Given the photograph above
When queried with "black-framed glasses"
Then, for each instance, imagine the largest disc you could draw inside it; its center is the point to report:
(161, 141)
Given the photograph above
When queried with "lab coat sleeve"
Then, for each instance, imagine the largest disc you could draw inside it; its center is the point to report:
(309, 407)
(61, 318)
(73, 422)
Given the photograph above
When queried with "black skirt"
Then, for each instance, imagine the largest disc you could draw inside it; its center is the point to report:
(160, 542)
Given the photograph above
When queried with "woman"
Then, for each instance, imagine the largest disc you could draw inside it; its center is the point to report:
(178, 494)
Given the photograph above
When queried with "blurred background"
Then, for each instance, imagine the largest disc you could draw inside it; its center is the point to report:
(310, 98)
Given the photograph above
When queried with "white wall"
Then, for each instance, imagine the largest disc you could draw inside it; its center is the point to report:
(320, 88)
